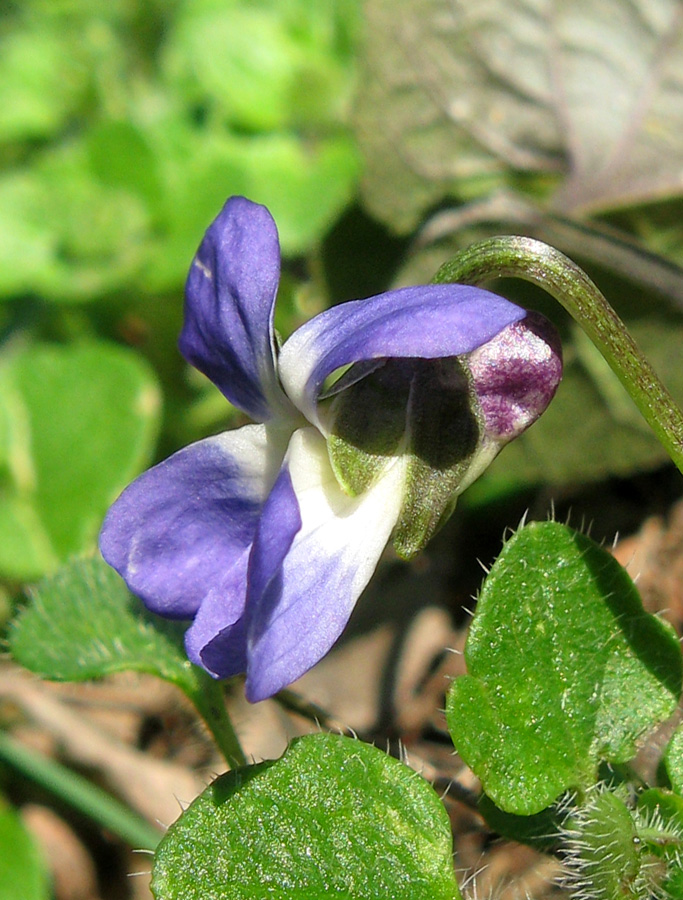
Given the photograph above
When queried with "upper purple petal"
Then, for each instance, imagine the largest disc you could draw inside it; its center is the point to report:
(229, 303)
(300, 597)
(177, 532)
(425, 322)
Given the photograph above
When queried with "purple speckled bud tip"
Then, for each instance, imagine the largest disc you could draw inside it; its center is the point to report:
(515, 375)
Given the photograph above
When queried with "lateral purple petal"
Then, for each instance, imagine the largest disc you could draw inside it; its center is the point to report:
(214, 641)
(176, 533)
(300, 598)
(426, 322)
(229, 302)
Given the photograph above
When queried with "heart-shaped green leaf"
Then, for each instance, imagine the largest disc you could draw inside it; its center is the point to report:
(332, 818)
(459, 97)
(565, 669)
(77, 423)
(673, 760)
(82, 623)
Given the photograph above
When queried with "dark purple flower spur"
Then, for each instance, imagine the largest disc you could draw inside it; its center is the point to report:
(265, 536)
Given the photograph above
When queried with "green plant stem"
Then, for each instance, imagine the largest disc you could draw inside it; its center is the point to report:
(206, 694)
(534, 261)
(79, 793)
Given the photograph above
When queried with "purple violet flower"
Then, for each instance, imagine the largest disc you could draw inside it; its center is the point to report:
(265, 536)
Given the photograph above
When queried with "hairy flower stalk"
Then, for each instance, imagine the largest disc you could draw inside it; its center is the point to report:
(265, 536)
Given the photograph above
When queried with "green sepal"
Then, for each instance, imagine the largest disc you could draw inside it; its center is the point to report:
(602, 850)
(612, 850)
(425, 412)
(660, 823)
(659, 818)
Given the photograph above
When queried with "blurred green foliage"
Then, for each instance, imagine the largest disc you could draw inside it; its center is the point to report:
(561, 120)
(124, 125)
(23, 874)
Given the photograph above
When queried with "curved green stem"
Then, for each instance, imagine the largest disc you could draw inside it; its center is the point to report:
(206, 694)
(534, 261)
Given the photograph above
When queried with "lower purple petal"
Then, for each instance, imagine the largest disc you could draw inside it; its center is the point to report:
(300, 598)
(216, 642)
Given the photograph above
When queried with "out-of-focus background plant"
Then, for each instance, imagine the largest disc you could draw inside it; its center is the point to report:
(382, 136)
(123, 127)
